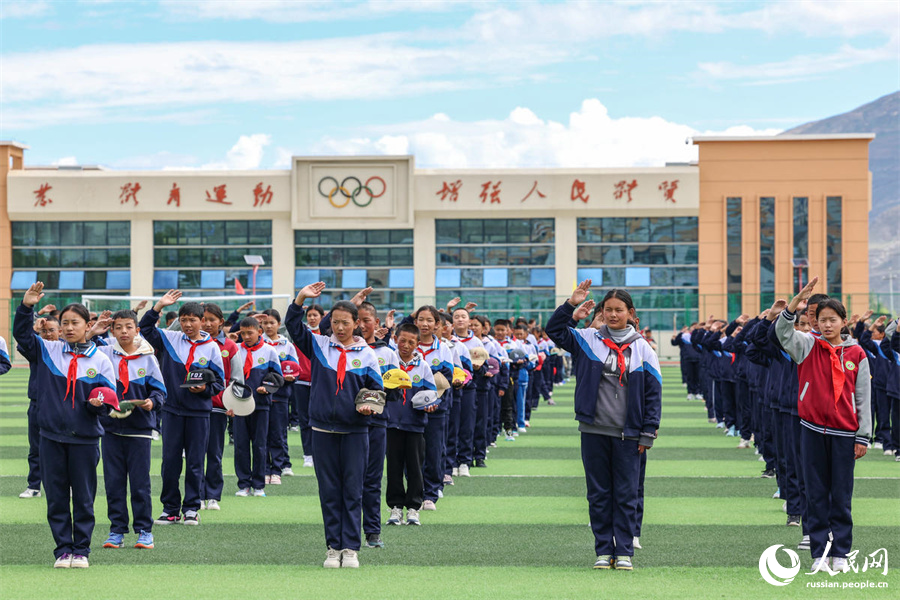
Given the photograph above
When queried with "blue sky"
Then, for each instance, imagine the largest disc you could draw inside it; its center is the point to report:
(205, 84)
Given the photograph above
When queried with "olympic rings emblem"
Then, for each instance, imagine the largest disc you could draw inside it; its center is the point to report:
(351, 195)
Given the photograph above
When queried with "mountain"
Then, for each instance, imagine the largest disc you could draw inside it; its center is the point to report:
(881, 117)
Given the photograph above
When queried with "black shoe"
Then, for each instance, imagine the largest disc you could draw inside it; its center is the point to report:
(479, 462)
(793, 520)
(373, 540)
(768, 474)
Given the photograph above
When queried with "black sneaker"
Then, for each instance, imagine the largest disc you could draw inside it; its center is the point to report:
(373, 540)
(768, 474)
(167, 519)
(479, 462)
(793, 520)
(191, 518)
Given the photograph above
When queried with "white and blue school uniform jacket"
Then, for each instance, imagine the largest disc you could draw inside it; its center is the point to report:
(401, 414)
(469, 343)
(387, 360)
(332, 405)
(286, 351)
(144, 382)
(439, 357)
(265, 360)
(175, 349)
(66, 375)
(644, 395)
(5, 363)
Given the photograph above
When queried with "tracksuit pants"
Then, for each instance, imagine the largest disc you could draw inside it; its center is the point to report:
(725, 403)
(278, 458)
(828, 462)
(451, 426)
(692, 376)
(214, 481)
(790, 491)
(895, 422)
(34, 444)
(433, 471)
(405, 455)
(302, 393)
(482, 423)
(743, 409)
(639, 513)
(251, 435)
(508, 406)
(797, 450)
(191, 436)
(468, 409)
(340, 471)
(612, 472)
(881, 417)
(709, 397)
(68, 467)
(371, 496)
(126, 464)
(521, 392)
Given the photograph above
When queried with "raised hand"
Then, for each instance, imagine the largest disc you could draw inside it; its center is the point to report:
(776, 309)
(584, 310)
(804, 294)
(34, 294)
(867, 315)
(381, 332)
(170, 298)
(102, 325)
(313, 290)
(389, 319)
(360, 296)
(452, 304)
(580, 293)
(470, 306)
(141, 306)
(743, 319)
(879, 321)
(245, 306)
(46, 309)
(39, 325)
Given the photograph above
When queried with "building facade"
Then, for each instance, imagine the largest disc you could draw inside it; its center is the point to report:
(719, 237)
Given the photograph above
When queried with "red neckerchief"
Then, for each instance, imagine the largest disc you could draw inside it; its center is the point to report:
(466, 339)
(620, 355)
(837, 370)
(190, 358)
(341, 368)
(316, 330)
(430, 350)
(123, 371)
(72, 375)
(407, 369)
(248, 361)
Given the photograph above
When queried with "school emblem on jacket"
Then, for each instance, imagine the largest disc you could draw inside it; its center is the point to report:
(261, 360)
(849, 365)
(283, 355)
(91, 373)
(356, 363)
(435, 362)
(142, 372)
(417, 378)
(225, 353)
(380, 362)
(202, 361)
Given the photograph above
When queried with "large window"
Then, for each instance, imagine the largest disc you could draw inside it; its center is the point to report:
(734, 255)
(82, 256)
(504, 265)
(206, 257)
(348, 260)
(654, 258)
(834, 207)
(801, 237)
(766, 251)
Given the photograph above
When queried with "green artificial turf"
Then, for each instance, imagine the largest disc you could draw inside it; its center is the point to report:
(518, 528)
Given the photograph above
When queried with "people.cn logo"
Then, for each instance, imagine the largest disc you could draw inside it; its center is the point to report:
(350, 189)
(772, 571)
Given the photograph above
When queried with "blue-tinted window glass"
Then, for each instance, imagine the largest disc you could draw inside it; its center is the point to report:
(447, 278)
(496, 277)
(22, 280)
(543, 277)
(637, 276)
(210, 280)
(834, 210)
(767, 250)
(303, 277)
(165, 280)
(118, 280)
(353, 278)
(400, 278)
(263, 278)
(595, 275)
(71, 280)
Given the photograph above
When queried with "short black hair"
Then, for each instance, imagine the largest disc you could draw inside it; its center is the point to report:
(271, 312)
(125, 314)
(816, 299)
(249, 322)
(53, 319)
(215, 310)
(171, 316)
(834, 304)
(317, 308)
(407, 328)
(503, 322)
(521, 325)
(190, 309)
(368, 307)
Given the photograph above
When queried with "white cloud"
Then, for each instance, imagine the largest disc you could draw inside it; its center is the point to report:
(21, 9)
(591, 138)
(246, 154)
(294, 11)
(65, 161)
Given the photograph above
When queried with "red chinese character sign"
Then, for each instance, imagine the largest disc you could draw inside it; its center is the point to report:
(261, 197)
(623, 188)
(534, 189)
(450, 191)
(174, 195)
(129, 192)
(41, 195)
(578, 191)
(218, 196)
(494, 192)
(668, 189)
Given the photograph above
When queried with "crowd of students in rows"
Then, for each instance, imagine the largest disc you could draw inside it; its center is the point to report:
(431, 395)
(807, 387)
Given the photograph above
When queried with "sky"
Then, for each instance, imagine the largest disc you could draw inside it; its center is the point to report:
(175, 84)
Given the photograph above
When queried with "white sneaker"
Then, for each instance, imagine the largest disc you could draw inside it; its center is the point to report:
(275, 480)
(784, 507)
(454, 472)
(259, 493)
(878, 446)
(79, 561)
(515, 433)
(212, 505)
(440, 493)
(522, 430)
(761, 459)
(30, 493)
(63, 562)
(744, 444)
(464, 470)
(690, 396)
(154, 435)
(396, 517)
(839, 564)
(429, 505)
(888, 452)
(637, 543)
(243, 493)
(268, 479)
(821, 564)
(412, 516)
(349, 559)
(307, 461)
(203, 505)
(332, 559)
(287, 472)
(493, 444)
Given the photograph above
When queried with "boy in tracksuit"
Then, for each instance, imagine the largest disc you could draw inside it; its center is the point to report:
(185, 415)
(126, 442)
(278, 455)
(523, 409)
(890, 347)
(251, 432)
(870, 340)
(341, 366)
(470, 398)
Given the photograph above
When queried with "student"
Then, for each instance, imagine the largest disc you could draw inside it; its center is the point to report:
(473, 408)
(48, 328)
(343, 365)
(278, 460)
(835, 412)
(299, 418)
(5, 363)
(406, 431)
(890, 347)
(524, 400)
(869, 339)
(232, 371)
(454, 395)
(509, 400)
(617, 405)
(499, 382)
(185, 415)
(68, 411)
(171, 317)
(126, 442)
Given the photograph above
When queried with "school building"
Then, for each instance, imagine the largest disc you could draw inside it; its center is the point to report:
(721, 236)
